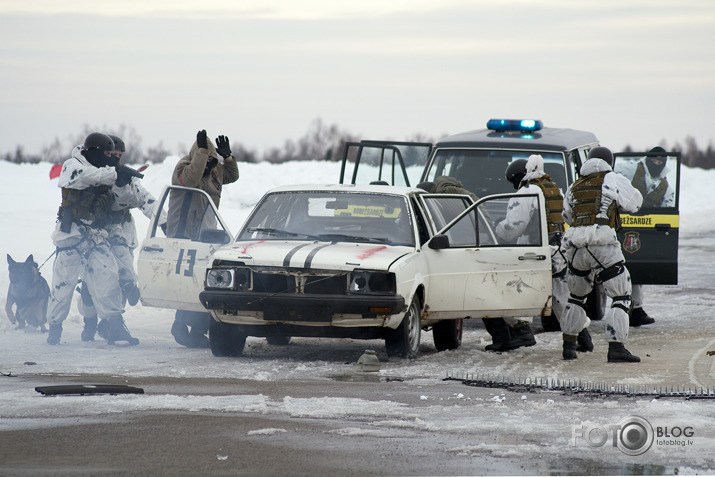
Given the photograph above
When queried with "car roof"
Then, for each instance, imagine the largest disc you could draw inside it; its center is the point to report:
(371, 189)
(546, 139)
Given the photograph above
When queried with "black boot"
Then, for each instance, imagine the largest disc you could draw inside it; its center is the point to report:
(617, 353)
(118, 332)
(521, 335)
(499, 332)
(90, 328)
(180, 332)
(197, 339)
(53, 337)
(639, 317)
(103, 329)
(550, 323)
(570, 347)
(199, 324)
(584, 341)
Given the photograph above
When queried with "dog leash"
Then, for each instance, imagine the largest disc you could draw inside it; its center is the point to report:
(48, 258)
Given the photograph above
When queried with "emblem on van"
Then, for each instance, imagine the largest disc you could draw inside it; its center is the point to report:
(631, 242)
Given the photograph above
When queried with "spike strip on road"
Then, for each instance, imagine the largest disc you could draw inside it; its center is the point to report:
(579, 387)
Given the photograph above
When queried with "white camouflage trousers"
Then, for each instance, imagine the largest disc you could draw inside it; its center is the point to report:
(593, 259)
(97, 267)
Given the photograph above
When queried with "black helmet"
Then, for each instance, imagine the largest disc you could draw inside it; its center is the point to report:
(99, 141)
(118, 143)
(601, 152)
(516, 171)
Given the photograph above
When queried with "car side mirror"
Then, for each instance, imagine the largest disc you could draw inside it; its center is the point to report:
(439, 242)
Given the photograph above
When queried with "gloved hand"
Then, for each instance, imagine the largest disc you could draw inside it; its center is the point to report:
(123, 178)
(201, 139)
(655, 197)
(638, 180)
(223, 147)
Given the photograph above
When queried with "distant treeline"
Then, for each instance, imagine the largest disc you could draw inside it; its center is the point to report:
(321, 142)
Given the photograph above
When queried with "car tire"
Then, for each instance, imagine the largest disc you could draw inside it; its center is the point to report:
(226, 340)
(404, 341)
(278, 340)
(596, 303)
(447, 334)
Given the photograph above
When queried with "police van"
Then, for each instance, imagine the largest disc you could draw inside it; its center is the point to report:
(479, 158)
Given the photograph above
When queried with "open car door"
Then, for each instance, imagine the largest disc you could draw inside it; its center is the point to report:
(474, 273)
(174, 256)
(384, 162)
(649, 237)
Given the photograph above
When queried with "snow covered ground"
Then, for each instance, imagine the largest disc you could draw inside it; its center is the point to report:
(674, 350)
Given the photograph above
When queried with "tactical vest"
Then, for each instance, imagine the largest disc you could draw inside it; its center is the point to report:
(91, 205)
(587, 192)
(554, 203)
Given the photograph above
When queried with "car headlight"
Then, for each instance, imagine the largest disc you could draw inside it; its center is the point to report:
(228, 278)
(220, 278)
(366, 281)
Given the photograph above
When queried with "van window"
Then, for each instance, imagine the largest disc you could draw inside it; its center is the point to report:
(482, 171)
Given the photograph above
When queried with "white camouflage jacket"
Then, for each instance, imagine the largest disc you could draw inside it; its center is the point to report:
(78, 173)
(616, 187)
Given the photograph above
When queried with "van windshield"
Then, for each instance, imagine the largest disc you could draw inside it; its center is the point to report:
(482, 171)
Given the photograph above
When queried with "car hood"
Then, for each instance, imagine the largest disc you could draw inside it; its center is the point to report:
(317, 255)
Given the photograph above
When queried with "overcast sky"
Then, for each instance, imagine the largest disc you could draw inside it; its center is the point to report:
(633, 72)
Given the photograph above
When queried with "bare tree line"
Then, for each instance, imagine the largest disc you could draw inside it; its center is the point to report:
(320, 142)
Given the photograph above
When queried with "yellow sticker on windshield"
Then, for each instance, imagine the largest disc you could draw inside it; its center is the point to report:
(369, 211)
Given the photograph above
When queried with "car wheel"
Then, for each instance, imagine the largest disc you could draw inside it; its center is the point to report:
(596, 303)
(404, 341)
(278, 340)
(447, 334)
(226, 340)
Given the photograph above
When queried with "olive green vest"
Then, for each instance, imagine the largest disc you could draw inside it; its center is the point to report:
(587, 192)
(554, 203)
(92, 205)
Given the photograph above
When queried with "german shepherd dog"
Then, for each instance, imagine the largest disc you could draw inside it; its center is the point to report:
(29, 291)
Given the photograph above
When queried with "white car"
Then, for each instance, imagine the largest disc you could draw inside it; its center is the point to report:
(357, 261)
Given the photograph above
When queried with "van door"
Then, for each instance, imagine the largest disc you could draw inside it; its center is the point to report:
(173, 258)
(649, 237)
(384, 162)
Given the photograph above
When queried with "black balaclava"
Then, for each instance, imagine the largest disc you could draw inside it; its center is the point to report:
(653, 168)
(96, 157)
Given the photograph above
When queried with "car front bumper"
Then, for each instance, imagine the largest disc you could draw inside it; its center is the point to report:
(301, 308)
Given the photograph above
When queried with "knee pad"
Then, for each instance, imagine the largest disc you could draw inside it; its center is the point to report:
(577, 272)
(611, 272)
(578, 300)
(623, 302)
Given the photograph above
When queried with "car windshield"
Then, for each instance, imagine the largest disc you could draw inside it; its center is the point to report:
(482, 171)
(331, 217)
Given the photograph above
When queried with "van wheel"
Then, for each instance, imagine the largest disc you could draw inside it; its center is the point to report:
(447, 334)
(404, 341)
(226, 340)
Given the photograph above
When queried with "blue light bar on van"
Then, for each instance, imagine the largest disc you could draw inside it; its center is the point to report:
(514, 125)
